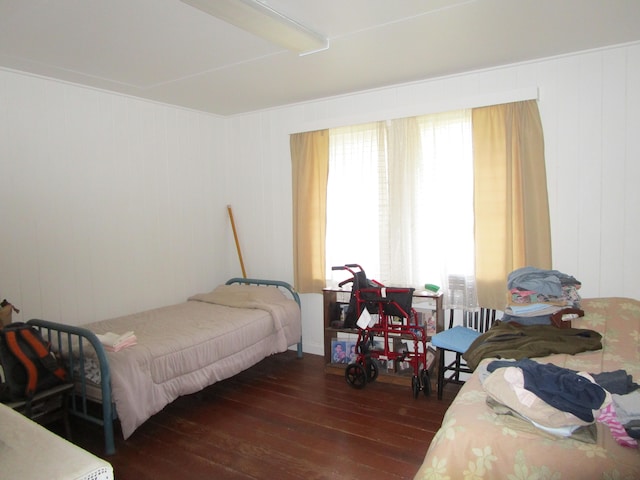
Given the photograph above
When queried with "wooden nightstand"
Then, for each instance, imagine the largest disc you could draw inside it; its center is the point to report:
(48, 406)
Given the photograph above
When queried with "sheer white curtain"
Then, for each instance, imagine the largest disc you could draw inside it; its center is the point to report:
(356, 197)
(400, 201)
(448, 190)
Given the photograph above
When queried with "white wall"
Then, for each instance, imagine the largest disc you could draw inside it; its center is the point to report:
(110, 205)
(588, 103)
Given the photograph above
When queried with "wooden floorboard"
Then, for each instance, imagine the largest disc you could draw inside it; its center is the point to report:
(281, 419)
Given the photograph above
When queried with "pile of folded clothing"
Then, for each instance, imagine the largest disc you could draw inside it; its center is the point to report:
(542, 297)
(555, 400)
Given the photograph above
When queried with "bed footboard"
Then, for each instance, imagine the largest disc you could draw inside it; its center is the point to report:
(272, 283)
(72, 342)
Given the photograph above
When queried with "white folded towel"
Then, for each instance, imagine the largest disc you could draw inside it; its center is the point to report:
(114, 342)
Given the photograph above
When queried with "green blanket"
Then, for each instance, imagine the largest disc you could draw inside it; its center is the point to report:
(508, 340)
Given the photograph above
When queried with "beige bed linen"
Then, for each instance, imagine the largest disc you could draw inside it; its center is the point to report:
(475, 443)
(184, 348)
(29, 451)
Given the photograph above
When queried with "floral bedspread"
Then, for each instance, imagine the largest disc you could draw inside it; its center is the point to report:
(476, 443)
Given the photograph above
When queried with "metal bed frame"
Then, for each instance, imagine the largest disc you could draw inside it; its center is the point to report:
(72, 340)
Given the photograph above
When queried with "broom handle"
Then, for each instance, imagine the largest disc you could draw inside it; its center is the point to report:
(235, 236)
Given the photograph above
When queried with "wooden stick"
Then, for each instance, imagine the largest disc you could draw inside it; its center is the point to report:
(235, 236)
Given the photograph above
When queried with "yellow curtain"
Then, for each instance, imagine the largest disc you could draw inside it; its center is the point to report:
(310, 169)
(510, 200)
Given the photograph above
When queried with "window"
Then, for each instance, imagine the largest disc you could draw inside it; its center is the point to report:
(400, 199)
(415, 223)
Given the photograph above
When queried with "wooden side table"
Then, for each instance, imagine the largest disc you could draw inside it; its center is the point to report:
(48, 406)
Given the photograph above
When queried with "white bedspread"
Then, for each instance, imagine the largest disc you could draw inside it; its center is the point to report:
(184, 348)
(29, 451)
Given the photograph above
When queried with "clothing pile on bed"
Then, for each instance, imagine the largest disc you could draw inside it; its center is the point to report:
(535, 296)
(556, 400)
(564, 402)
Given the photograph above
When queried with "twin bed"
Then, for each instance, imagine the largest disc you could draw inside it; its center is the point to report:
(476, 442)
(180, 350)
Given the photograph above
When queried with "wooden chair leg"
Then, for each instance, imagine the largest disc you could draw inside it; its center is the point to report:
(441, 372)
(456, 375)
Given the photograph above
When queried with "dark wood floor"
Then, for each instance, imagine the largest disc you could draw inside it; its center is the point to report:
(282, 419)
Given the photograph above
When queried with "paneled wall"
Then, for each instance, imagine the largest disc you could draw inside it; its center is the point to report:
(110, 204)
(588, 103)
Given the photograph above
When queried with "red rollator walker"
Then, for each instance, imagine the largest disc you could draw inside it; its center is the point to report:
(389, 320)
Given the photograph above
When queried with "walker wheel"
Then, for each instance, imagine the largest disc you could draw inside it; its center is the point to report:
(372, 370)
(355, 375)
(415, 386)
(426, 381)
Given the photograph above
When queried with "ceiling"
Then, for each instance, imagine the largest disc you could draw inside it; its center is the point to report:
(168, 51)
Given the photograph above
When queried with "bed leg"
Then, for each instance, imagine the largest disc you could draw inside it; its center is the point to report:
(107, 416)
(300, 349)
